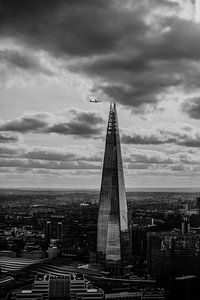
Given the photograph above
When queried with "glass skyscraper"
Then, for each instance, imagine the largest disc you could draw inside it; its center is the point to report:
(112, 231)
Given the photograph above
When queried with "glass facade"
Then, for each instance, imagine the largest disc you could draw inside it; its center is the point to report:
(112, 232)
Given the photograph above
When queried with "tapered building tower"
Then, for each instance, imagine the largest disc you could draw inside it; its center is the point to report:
(112, 230)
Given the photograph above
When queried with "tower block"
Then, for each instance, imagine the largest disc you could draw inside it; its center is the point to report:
(112, 229)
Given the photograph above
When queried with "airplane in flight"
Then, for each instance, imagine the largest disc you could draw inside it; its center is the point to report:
(95, 100)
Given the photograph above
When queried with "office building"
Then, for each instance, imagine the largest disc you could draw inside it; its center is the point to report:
(112, 231)
(60, 231)
(28, 295)
(59, 287)
(48, 231)
(77, 285)
(124, 296)
(138, 240)
(198, 203)
(173, 254)
(54, 230)
(34, 254)
(52, 251)
(153, 294)
(90, 294)
(184, 288)
(41, 285)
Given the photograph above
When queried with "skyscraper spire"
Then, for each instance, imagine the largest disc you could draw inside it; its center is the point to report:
(112, 231)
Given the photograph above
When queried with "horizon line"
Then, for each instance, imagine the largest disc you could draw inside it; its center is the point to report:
(98, 189)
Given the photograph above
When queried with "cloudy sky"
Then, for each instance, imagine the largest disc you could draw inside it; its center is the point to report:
(56, 55)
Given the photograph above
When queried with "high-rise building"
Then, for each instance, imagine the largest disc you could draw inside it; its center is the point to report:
(198, 203)
(112, 231)
(48, 231)
(53, 230)
(60, 231)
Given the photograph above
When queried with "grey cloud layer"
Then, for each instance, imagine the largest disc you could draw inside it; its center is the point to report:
(75, 122)
(192, 108)
(182, 135)
(25, 157)
(43, 158)
(22, 60)
(133, 54)
(38, 164)
(8, 138)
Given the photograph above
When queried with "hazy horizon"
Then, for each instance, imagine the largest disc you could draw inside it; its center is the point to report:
(147, 189)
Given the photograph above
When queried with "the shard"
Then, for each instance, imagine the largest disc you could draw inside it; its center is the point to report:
(112, 230)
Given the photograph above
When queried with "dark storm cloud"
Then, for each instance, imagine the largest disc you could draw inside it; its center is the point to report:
(82, 124)
(76, 122)
(27, 123)
(192, 108)
(22, 60)
(66, 27)
(8, 138)
(132, 60)
(140, 72)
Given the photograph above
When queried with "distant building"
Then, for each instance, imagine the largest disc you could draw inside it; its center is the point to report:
(92, 257)
(77, 285)
(112, 230)
(124, 296)
(35, 254)
(28, 295)
(145, 294)
(90, 294)
(173, 254)
(153, 294)
(184, 288)
(8, 253)
(198, 203)
(59, 287)
(60, 231)
(41, 285)
(53, 230)
(48, 231)
(138, 238)
(188, 211)
(185, 225)
(52, 251)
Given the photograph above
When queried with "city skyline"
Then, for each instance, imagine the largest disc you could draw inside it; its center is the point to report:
(144, 55)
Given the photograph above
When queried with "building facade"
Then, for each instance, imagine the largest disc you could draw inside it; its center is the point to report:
(112, 231)
(41, 285)
(59, 287)
(172, 254)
